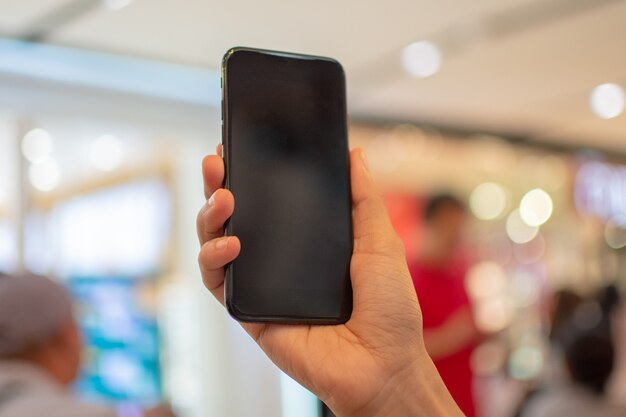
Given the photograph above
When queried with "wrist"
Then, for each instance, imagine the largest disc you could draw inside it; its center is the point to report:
(416, 390)
(426, 395)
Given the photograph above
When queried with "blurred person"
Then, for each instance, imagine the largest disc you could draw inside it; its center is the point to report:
(609, 299)
(609, 303)
(439, 279)
(572, 316)
(374, 365)
(562, 307)
(589, 362)
(614, 324)
(40, 353)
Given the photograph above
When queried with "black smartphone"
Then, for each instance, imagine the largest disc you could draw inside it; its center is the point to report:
(287, 163)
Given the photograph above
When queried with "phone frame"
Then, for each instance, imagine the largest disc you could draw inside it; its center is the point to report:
(228, 278)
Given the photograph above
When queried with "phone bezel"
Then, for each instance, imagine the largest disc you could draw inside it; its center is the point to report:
(229, 296)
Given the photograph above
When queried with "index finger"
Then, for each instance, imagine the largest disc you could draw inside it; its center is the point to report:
(213, 174)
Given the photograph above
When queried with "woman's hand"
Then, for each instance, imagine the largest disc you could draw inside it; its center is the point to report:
(376, 363)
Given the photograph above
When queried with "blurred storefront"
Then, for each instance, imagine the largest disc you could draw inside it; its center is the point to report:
(544, 219)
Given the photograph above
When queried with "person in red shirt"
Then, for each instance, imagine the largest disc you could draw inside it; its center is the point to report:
(439, 278)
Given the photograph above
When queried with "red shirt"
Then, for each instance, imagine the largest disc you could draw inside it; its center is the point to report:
(441, 292)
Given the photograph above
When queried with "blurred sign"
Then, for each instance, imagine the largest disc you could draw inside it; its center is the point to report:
(600, 189)
(117, 319)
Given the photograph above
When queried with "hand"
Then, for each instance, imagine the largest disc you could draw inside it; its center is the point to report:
(376, 363)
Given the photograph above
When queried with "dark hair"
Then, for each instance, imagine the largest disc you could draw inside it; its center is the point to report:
(438, 202)
(609, 299)
(565, 304)
(590, 359)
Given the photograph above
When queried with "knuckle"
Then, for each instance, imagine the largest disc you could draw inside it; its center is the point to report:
(199, 219)
(201, 260)
(204, 255)
(206, 283)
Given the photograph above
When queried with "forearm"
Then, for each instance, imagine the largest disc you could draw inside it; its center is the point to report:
(452, 336)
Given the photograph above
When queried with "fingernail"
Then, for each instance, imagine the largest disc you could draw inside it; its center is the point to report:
(211, 199)
(221, 243)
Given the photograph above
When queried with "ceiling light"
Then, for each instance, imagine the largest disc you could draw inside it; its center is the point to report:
(488, 201)
(607, 100)
(37, 145)
(421, 59)
(116, 4)
(536, 207)
(106, 153)
(45, 174)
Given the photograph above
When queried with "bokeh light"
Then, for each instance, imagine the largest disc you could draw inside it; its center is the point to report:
(488, 201)
(486, 279)
(37, 145)
(493, 314)
(525, 363)
(615, 232)
(536, 207)
(517, 230)
(607, 100)
(421, 59)
(45, 174)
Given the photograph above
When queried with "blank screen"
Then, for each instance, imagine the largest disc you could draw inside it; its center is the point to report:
(287, 166)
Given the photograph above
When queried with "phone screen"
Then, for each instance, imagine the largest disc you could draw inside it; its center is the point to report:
(286, 155)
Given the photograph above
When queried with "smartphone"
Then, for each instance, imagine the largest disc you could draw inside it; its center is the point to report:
(287, 163)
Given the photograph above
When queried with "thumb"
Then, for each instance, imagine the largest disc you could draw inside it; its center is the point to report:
(373, 232)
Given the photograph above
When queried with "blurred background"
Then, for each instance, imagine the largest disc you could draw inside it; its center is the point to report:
(108, 106)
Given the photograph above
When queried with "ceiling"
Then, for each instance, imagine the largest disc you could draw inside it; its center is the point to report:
(523, 67)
